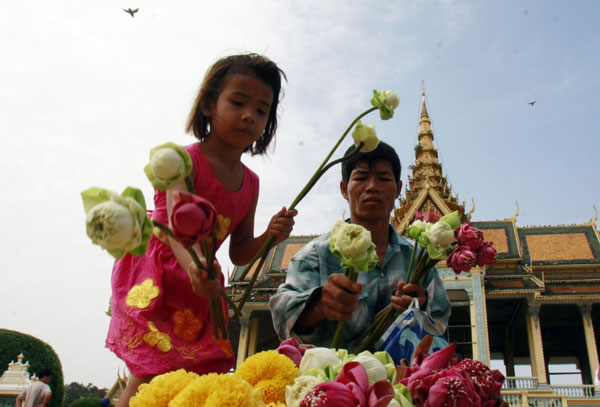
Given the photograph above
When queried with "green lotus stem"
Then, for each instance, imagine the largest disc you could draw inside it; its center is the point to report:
(189, 185)
(378, 327)
(420, 267)
(412, 260)
(220, 318)
(213, 317)
(337, 337)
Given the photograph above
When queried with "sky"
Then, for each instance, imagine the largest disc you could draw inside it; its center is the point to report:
(86, 91)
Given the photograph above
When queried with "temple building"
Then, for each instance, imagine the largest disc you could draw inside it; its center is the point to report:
(535, 314)
(13, 381)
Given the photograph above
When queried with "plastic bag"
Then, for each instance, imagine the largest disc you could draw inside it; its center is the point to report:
(405, 333)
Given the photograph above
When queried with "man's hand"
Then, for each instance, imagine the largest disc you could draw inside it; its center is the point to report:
(339, 297)
(405, 294)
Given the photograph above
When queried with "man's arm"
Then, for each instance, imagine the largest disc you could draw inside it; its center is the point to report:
(20, 398)
(47, 398)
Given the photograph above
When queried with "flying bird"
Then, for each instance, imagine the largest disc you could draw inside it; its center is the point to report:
(131, 12)
(532, 102)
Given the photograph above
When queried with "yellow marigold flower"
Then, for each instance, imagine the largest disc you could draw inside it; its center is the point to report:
(161, 389)
(186, 325)
(156, 338)
(218, 390)
(223, 226)
(271, 372)
(141, 295)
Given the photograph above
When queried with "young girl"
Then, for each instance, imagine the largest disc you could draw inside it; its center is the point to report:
(160, 302)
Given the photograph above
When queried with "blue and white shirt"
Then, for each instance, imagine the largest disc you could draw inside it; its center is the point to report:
(309, 270)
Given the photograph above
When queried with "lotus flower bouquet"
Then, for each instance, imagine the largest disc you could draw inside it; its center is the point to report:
(365, 140)
(120, 223)
(353, 246)
(436, 239)
(441, 379)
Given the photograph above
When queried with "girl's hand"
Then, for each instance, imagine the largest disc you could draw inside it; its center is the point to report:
(405, 293)
(281, 224)
(201, 284)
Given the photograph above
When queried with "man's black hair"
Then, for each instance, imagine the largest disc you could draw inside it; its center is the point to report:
(43, 372)
(383, 152)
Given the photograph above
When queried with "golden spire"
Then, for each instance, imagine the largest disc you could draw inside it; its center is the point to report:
(427, 188)
(424, 122)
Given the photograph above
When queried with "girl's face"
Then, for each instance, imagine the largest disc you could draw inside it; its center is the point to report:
(240, 115)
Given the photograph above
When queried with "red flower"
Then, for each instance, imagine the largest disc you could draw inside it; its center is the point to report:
(452, 387)
(193, 218)
(486, 254)
(487, 382)
(429, 216)
(330, 394)
(463, 258)
(292, 349)
(469, 236)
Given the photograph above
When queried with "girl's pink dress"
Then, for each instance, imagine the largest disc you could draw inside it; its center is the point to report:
(158, 324)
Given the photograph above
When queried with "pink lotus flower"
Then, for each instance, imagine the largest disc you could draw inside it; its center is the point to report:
(355, 377)
(486, 254)
(487, 382)
(330, 394)
(292, 349)
(452, 387)
(440, 359)
(463, 258)
(469, 236)
(193, 218)
(429, 216)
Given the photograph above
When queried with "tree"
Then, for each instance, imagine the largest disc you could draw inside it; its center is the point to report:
(75, 391)
(39, 355)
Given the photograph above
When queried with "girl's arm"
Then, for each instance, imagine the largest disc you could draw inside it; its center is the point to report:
(244, 246)
(201, 285)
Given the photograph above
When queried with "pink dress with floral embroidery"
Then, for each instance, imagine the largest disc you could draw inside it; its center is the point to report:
(158, 324)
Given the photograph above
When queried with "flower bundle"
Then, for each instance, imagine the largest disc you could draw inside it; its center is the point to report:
(353, 246)
(436, 239)
(365, 140)
(442, 380)
(120, 223)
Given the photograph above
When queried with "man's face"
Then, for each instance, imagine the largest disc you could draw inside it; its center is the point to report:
(371, 191)
(46, 379)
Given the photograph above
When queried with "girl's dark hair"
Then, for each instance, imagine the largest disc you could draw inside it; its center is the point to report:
(383, 152)
(246, 64)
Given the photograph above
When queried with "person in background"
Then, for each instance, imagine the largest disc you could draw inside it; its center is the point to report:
(38, 394)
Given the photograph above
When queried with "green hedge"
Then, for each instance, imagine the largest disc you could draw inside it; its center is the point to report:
(39, 355)
(86, 402)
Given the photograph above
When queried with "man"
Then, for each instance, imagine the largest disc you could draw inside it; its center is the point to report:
(316, 294)
(38, 394)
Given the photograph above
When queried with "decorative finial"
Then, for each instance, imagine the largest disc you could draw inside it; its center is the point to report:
(593, 221)
(472, 210)
(514, 217)
(423, 104)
